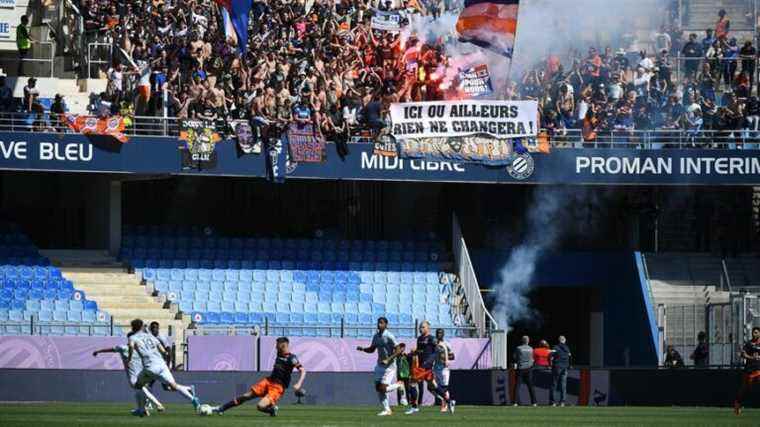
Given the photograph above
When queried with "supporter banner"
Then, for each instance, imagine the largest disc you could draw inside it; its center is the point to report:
(88, 125)
(199, 148)
(475, 81)
(247, 142)
(385, 145)
(9, 4)
(386, 21)
(306, 145)
(483, 149)
(221, 353)
(340, 355)
(277, 159)
(501, 119)
(38, 352)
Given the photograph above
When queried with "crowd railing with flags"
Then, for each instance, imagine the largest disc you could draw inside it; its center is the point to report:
(557, 139)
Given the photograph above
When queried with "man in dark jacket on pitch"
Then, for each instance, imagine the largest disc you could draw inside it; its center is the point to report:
(561, 363)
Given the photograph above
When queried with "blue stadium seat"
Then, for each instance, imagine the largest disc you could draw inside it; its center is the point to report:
(310, 307)
(214, 307)
(245, 276)
(227, 318)
(33, 305)
(149, 274)
(204, 275)
(310, 318)
(75, 305)
(259, 276)
(212, 318)
(74, 316)
(186, 306)
(242, 318)
(218, 275)
(200, 306)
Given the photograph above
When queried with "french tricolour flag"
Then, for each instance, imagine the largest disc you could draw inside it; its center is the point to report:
(238, 11)
(491, 24)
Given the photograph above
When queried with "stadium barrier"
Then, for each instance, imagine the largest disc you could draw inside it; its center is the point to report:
(342, 330)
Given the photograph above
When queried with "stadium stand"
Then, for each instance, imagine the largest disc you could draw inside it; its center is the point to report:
(36, 299)
(296, 283)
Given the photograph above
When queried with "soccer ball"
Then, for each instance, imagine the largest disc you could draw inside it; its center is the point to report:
(205, 410)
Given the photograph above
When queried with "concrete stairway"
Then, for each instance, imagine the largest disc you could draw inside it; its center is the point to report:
(703, 14)
(679, 294)
(122, 295)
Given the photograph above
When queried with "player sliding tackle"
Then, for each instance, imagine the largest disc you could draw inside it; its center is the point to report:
(150, 351)
(133, 368)
(270, 389)
(385, 371)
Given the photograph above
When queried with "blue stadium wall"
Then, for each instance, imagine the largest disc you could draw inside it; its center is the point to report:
(629, 323)
(161, 155)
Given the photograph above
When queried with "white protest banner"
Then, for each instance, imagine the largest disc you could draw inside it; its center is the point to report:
(386, 21)
(8, 4)
(501, 119)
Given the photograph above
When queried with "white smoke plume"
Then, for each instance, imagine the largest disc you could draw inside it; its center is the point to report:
(559, 26)
(543, 228)
(548, 27)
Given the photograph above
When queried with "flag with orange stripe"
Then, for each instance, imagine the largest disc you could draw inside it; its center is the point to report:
(491, 24)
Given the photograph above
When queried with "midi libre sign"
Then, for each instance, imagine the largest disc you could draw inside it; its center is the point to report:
(152, 155)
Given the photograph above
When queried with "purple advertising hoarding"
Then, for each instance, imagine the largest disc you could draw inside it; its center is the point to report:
(340, 355)
(37, 352)
(221, 353)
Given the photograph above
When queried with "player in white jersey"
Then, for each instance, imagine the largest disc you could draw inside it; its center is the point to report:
(149, 350)
(385, 371)
(441, 373)
(132, 368)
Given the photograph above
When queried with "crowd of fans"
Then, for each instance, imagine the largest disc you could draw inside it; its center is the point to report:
(327, 66)
(688, 83)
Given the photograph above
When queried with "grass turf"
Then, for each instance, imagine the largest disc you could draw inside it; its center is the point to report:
(73, 414)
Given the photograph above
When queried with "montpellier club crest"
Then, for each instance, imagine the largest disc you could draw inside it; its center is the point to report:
(521, 166)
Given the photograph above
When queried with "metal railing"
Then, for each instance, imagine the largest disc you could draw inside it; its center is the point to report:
(35, 56)
(34, 326)
(104, 52)
(341, 330)
(561, 139)
(481, 318)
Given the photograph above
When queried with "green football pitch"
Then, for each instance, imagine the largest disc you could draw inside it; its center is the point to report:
(108, 415)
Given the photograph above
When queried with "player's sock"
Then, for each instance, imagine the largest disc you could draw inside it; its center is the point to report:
(413, 396)
(383, 397)
(394, 387)
(140, 397)
(231, 404)
(151, 398)
(441, 392)
(185, 391)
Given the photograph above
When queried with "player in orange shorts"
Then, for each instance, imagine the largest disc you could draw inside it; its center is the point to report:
(422, 367)
(751, 356)
(271, 388)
